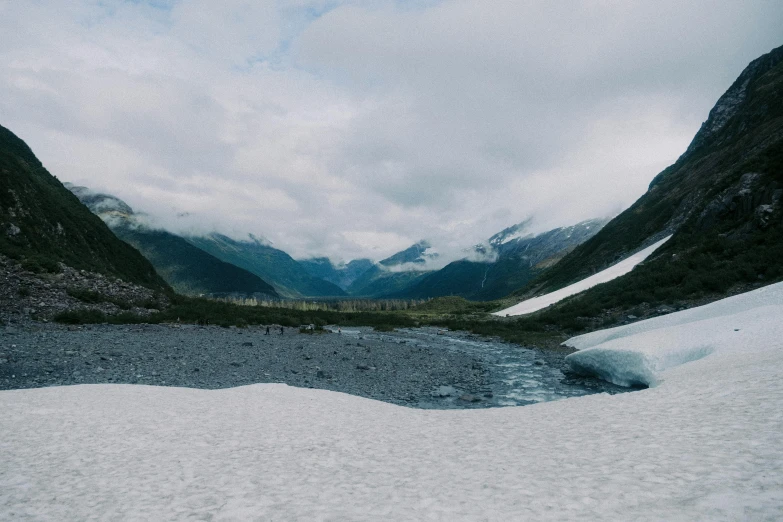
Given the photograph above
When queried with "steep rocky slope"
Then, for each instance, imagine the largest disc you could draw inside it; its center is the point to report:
(722, 199)
(42, 224)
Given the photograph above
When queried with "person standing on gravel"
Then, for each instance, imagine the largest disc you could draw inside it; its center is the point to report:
(267, 331)
(281, 330)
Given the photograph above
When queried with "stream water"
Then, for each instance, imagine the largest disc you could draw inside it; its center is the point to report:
(517, 376)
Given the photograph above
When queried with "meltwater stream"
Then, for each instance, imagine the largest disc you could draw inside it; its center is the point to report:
(517, 376)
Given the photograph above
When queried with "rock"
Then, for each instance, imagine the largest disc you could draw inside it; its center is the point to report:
(444, 391)
(489, 395)
(362, 367)
(469, 398)
(247, 343)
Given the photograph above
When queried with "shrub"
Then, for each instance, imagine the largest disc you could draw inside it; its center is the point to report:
(383, 328)
(85, 296)
(82, 316)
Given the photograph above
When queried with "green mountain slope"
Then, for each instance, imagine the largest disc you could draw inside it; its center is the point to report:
(288, 277)
(188, 269)
(379, 283)
(341, 275)
(722, 199)
(42, 223)
(391, 276)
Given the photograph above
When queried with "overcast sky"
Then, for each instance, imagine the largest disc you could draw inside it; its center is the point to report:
(356, 128)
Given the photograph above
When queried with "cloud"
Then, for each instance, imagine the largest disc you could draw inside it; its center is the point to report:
(356, 128)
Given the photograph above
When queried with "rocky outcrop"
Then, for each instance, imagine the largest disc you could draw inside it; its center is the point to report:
(27, 295)
(750, 201)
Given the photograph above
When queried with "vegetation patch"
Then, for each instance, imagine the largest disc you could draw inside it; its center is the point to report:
(92, 297)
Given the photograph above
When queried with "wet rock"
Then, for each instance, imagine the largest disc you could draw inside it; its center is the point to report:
(444, 391)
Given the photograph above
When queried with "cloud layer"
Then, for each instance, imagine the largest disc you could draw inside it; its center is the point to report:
(355, 128)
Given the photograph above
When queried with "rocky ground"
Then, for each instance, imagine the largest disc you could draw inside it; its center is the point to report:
(422, 367)
(25, 295)
(46, 354)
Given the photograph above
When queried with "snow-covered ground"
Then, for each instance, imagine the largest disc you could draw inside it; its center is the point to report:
(604, 276)
(640, 353)
(705, 443)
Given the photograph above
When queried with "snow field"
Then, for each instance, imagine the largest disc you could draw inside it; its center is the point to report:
(640, 353)
(705, 444)
(604, 276)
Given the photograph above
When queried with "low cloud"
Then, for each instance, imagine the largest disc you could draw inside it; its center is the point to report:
(353, 129)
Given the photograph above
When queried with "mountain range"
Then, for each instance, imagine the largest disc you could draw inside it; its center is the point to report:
(289, 277)
(188, 269)
(512, 258)
(340, 274)
(212, 264)
(721, 201)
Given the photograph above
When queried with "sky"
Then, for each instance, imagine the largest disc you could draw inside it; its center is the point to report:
(355, 128)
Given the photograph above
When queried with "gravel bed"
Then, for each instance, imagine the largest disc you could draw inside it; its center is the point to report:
(396, 371)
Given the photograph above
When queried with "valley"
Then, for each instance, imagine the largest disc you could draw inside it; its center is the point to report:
(391, 355)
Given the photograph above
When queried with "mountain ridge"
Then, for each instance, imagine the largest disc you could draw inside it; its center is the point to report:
(722, 200)
(42, 223)
(513, 257)
(188, 269)
(286, 275)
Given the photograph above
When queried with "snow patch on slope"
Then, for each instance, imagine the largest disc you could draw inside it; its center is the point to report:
(604, 276)
(641, 353)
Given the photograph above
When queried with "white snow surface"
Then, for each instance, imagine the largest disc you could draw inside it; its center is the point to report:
(706, 443)
(604, 276)
(640, 353)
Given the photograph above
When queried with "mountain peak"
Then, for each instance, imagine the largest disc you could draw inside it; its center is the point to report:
(419, 253)
(731, 102)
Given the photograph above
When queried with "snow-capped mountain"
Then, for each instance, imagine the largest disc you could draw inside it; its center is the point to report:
(397, 272)
(512, 233)
(417, 254)
(508, 261)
